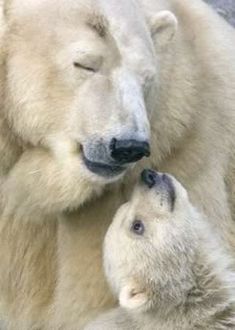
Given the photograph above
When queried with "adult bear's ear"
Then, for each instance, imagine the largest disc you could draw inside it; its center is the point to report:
(132, 296)
(163, 28)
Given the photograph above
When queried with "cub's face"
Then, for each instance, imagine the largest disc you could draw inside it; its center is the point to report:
(149, 247)
(77, 73)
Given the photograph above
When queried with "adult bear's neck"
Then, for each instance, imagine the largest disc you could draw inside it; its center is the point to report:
(173, 102)
(10, 150)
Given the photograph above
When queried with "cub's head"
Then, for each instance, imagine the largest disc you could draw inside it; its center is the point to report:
(77, 76)
(149, 248)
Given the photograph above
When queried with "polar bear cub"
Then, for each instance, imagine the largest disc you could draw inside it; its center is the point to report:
(165, 264)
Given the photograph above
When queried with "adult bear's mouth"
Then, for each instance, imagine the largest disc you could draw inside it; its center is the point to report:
(101, 165)
(110, 159)
(105, 170)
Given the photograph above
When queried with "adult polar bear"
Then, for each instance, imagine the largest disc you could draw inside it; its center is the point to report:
(79, 81)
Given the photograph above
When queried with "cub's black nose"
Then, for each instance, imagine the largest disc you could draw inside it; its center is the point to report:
(150, 178)
(128, 151)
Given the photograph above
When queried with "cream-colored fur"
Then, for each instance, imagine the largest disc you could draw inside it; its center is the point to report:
(168, 64)
(166, 265)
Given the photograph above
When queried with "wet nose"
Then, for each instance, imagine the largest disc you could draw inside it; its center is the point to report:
(128, 151)
(150, 178)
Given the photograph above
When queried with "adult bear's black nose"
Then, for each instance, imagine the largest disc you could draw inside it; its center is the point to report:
(128, 151)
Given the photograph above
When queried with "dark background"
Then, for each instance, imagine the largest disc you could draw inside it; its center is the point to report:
(224, 7)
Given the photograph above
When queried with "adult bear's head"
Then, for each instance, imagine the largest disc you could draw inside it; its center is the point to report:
(77, 76)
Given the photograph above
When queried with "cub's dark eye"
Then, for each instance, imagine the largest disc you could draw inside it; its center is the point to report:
(137, 227)
(83, 67)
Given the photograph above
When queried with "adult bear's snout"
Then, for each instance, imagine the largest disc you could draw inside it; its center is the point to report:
(128, 151)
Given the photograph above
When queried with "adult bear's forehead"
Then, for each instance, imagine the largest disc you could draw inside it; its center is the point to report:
(127, 24)
(126, 20)
(125, 17)
(122, 15)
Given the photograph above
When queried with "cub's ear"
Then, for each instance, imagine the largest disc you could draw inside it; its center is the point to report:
(163, 28)
(132, 297)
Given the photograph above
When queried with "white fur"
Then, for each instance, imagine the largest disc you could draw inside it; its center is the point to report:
(54, 212)
(176, 275)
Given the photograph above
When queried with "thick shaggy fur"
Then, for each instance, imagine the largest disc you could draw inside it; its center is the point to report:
(172, 274)
(54, 212)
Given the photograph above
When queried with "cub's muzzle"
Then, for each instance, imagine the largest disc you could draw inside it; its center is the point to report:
(161, 182)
